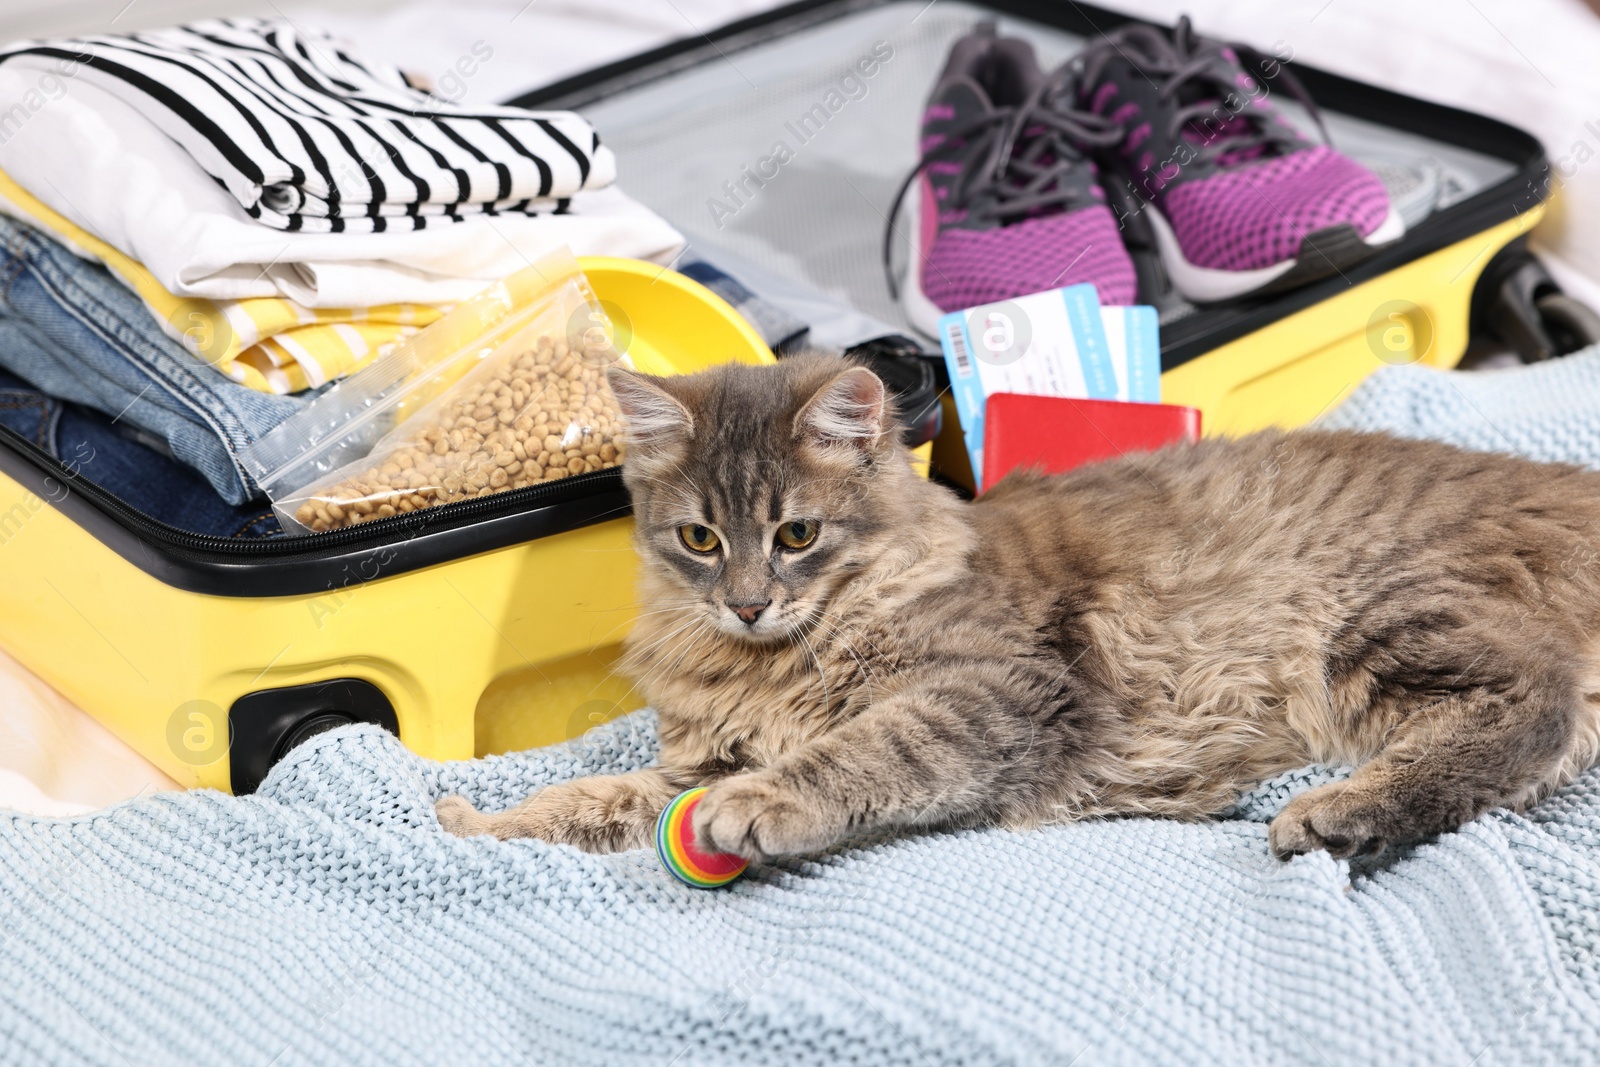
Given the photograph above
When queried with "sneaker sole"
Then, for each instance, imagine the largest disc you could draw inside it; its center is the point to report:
(1322, 253)
(923, 314)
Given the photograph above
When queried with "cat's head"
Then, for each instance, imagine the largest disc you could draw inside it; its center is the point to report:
(759, 491)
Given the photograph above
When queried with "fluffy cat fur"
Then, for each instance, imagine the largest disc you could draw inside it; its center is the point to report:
(1150, 636)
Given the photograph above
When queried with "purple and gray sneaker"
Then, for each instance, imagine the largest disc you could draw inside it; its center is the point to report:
(1007, 203)
(1240, 201)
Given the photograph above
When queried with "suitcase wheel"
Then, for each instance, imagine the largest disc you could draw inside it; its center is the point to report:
(265, 726)
(1519, 304)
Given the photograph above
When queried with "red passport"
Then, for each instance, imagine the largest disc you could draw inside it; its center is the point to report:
(1054, 434)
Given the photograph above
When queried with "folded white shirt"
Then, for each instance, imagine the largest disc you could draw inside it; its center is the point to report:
(309, 137)
(97, 161)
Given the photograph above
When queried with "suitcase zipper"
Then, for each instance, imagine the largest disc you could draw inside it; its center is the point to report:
(447, 515)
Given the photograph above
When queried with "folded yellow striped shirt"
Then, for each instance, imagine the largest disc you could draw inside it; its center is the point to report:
(271, 344)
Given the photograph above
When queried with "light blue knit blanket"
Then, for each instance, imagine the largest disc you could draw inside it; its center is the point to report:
(328, 920)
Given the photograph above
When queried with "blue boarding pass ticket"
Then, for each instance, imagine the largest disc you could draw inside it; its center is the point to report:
(1135, 341)
(1046, 344)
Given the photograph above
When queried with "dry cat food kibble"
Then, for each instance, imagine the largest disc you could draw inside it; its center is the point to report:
(544, 414)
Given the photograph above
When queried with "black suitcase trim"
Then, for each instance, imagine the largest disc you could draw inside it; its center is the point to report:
(323, 563)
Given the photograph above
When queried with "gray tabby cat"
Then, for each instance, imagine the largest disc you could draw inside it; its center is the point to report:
(835, 645)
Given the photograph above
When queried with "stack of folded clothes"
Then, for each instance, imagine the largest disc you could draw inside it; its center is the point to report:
(202, 223)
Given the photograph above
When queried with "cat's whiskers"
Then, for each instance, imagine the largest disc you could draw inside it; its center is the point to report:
(671, 490)
(827, 705)
(835, 631)
(840, 620)
(792, 487)
(689, 645)
(693, 626)
(687, 604)
(662, 611)
(640, 476)
(684, 601)
(647, 652)
(840, 624)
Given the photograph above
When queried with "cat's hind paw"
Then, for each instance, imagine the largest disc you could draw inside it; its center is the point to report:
(1339, 819)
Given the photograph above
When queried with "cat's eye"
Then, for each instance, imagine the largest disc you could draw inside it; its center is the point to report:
(698, 538)
(797, 534)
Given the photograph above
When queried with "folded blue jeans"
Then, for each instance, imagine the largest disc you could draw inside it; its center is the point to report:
(93, 447)
(71, 330)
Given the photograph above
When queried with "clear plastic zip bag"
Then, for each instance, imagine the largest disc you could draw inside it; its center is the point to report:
(507, 390)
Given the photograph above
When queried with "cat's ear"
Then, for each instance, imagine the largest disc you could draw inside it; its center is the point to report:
(652, 417)
(850, 409)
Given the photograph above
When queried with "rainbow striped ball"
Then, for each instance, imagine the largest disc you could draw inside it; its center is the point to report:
(675, 845)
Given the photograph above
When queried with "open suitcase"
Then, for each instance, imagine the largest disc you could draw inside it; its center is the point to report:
(214, 657)
(695, 122)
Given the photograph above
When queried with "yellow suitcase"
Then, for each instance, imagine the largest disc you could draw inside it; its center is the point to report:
(493, 625)
(213, 657)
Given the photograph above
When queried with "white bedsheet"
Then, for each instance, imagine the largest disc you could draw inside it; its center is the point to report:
(531, 44)
(1532, 64)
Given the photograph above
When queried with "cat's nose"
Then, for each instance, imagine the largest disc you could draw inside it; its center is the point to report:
(750, 611)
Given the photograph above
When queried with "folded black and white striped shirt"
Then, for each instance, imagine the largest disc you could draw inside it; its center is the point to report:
(308, 137)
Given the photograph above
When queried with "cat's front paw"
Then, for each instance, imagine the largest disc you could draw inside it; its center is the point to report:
(528, 819)
(751, 816)
(459, 817)
(603, 814)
